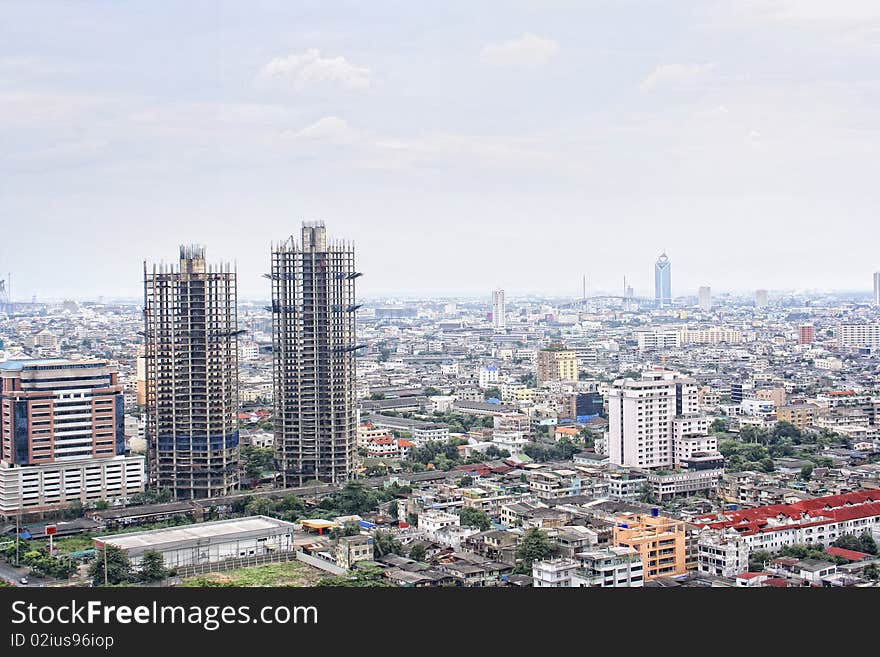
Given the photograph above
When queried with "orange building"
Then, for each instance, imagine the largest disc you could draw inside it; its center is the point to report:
(800, 415)
(660, 542)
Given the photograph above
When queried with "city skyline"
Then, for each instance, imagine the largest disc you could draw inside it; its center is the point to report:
(673, 134)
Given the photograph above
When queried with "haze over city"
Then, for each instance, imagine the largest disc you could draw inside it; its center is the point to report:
(514, 144)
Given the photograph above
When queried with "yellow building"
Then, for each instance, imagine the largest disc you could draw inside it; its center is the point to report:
(776, 395)
(660, 542)
(800, 415)
(556, 364)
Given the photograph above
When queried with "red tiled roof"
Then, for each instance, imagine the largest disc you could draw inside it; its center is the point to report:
(751, 575)
(401, 442)
(816, 511)
(852, 555)
(776, 582)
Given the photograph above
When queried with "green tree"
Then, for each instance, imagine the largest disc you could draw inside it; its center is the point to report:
(872, 572)
(153, 567)
(118, 566)
(867, 542)
(385, 543)
(718, 426)
(417, 552)
(757, 560)
(471, 517)
(535, 546)
(465, 481)
(356, 499)
(495, 453)
(492, 392)
(259, 506)
(291, 508)
(807, 472)
(430, 391)
(767, 465)
(784, 429)
(862, 543)
(368, 576)
(256, 460)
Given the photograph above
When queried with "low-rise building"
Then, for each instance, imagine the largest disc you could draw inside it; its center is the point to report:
(612, 567)
(351, 549)
(817, 521)
(722, 553)
(207, 542)
(553, 573)
(431, 520)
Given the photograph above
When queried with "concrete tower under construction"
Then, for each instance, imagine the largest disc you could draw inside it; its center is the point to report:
(313, 342)
(191, 363)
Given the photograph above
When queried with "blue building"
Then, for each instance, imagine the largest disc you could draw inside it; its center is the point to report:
(663, 281)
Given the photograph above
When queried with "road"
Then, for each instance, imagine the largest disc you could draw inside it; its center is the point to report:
(13, 575)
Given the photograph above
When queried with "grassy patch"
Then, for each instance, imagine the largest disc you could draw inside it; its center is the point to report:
(289, 573)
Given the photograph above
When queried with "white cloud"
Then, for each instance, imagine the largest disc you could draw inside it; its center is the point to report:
(675, 74)
(309, 68)
(329, 129)
(528, 50)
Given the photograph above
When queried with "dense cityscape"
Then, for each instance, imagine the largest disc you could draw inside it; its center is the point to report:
(191, 438)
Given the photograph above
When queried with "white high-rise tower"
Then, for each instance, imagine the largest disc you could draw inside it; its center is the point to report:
(705, 299)
(499, 317)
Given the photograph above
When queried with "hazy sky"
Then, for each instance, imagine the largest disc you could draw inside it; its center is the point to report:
(460, 145)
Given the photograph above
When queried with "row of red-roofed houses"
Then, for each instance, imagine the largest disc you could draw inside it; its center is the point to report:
(818, 521)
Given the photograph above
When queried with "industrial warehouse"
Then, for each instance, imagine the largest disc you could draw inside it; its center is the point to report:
(207, 542)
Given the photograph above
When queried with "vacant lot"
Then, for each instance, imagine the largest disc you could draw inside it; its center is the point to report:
(290, 573)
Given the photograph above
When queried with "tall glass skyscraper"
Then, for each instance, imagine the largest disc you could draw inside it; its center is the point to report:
(313, 338)
(191, 359)
(663, 281)
(877, 288)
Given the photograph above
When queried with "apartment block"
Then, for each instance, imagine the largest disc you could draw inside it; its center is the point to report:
(62, 435)
(659, 541)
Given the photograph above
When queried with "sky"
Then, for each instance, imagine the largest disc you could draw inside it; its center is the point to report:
(461, 145)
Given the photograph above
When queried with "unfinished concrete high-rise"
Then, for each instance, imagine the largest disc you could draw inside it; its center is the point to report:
(191, 359)
(313, 342)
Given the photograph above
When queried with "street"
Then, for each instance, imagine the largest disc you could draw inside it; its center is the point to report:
(13, 575)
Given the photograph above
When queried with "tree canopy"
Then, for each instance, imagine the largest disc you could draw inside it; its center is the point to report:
(535, 546)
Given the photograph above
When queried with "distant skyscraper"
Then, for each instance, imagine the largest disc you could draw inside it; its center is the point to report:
(705, 299)
(806, 334)
(877, 288)
(663, 281)
(313, 337)
(760, 298)
(191, 359)
(499, 313)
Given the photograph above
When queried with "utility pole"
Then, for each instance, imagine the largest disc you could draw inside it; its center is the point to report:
(105, 564)
(17, 532)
